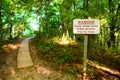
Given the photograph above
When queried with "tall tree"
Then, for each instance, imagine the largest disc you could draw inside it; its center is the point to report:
(66, 17)
(1, 18)
(47, 16)
(113, 12)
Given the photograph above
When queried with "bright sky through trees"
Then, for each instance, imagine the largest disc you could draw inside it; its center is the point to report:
(33, 23)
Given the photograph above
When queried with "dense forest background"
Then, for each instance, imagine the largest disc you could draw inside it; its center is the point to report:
(53, 20)
(50, 18)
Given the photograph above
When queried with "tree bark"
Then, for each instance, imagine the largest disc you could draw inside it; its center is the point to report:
(1, 19)
(74, 9)
(111, 42)
(11, 26)
(46, 18)
(86, 7)
(64, 18)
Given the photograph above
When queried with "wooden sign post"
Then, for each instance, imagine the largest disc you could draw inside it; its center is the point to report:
(85, 56)
(86, 27)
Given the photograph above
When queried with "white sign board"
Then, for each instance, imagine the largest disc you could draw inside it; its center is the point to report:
(86, 26)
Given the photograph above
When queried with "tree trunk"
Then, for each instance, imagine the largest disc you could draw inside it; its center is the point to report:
(86, 7)
(46, 18)
(64, 18)
(74, 9)
(111, 42)
(1, 19)
(117, 39)
(39, 21)
(74, 37)
(11, 26)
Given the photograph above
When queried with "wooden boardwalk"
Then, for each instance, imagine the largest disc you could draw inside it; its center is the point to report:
(23, 57)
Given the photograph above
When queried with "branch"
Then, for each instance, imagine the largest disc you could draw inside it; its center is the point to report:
(105, 69)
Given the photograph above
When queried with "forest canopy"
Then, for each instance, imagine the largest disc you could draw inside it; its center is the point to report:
(20, 18)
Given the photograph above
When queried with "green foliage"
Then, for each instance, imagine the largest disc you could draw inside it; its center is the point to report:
(46, 47)
(1, 42)
(65, 57)
(55, 13)
(49, 48)
(73, 70)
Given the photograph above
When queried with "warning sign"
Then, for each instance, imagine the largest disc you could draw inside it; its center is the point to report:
(86, 26)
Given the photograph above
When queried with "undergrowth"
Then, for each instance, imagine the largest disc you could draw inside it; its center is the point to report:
(68, 58)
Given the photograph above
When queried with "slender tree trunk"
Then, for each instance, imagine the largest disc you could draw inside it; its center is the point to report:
(39, 34)
(11, 26)
(117, 37)
(74, 8)
(1, 25)
(86, 7)
(39, 18)
(100, 41)
(61, 17)
(1, 19)
(64, 24)
(74, 37)
(64, 18)
(111, 42)
(46, 18)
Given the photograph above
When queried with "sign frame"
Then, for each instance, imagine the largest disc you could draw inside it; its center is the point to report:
(86, 26)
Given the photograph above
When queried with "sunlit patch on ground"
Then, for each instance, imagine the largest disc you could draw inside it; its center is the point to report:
(43, 70)
(12, 71)
(10, 46)
(64, 40)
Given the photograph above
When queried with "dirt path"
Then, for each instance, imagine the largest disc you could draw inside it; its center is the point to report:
(39, 71)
